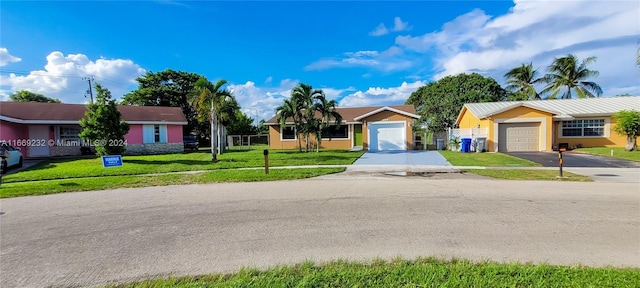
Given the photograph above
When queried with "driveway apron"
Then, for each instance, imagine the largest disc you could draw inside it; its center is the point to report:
(413, 158)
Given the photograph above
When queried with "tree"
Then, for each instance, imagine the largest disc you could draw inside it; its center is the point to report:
(565, 73)
(242, 125)
(305, 96)
(262, 128)
(167, 88)
(438, 103)
(210, 101)
(628, 124)
(28, 96)
(103, 125)
(522, 80)
(327, 111)
(290, 108)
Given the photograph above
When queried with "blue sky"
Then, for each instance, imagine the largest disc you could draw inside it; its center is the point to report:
(360, 53)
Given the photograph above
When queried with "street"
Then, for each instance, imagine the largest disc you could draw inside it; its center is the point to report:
(101, 237)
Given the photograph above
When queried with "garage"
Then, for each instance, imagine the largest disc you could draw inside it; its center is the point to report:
(387, 136)
(515, 137)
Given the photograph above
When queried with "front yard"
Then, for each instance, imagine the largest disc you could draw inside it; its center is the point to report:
(486, 159)
(68, 175)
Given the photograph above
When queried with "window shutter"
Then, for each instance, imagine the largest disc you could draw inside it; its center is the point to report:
(163, 134)
(147, 134)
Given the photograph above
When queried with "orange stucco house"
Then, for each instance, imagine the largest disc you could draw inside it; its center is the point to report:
(378, 128)
(544, 125)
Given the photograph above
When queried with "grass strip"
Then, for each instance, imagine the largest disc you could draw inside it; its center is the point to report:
(423, 272)
(618, 152)
(522, 174)
(113, 182)
(485, 159)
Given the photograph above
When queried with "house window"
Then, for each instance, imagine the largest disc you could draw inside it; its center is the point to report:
(70, 133)
(288, 133)
(583, 128)
(333, 132)
(156, 133)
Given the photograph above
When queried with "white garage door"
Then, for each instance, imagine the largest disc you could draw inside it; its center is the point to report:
(519, 137)
(385, 136)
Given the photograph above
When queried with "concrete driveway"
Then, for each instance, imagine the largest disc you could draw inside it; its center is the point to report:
(571, 159)
(431, 158)
(95, 238)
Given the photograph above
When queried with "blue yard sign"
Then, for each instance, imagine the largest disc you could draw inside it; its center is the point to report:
(112, 161)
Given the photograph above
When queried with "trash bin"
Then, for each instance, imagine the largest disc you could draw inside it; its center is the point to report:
(440, 144)
(480, 144)
(466, 145)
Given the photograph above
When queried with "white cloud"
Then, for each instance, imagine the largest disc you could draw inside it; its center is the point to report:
(268, 80)
(398, 26)
(375, 96)
(538, 31)
(6, 58)
(388, 60)
(62, 77)
(262, 101)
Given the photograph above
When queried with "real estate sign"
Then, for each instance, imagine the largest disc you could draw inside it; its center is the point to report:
(112, 161)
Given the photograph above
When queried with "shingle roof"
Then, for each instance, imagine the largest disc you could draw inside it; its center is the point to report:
(34, 112)
(560, 107)
(349, 114)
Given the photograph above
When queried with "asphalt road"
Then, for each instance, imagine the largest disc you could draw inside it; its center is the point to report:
(95, 238)
(571, 159)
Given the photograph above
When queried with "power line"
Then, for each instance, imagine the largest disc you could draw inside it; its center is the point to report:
(90, 78)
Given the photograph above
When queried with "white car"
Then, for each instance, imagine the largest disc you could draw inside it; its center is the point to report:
(12, 156)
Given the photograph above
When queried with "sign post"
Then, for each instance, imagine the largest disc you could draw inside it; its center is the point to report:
(266, 161)
(111, 161)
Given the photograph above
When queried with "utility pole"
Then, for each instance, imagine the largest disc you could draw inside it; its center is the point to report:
(90, 78)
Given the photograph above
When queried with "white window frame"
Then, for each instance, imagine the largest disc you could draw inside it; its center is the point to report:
(605, 128)
(295, 133)
(348, 133)
(64, 136)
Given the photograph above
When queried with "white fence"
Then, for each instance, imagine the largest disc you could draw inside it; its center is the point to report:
(472, 133)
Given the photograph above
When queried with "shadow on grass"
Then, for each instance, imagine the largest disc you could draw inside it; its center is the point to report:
(169, 162)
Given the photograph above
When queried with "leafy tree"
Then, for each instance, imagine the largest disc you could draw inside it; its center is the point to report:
(215, 104)
(262, 128)
(566, 73)
(522, 80)
(28, 96)
(167, 88)
(628, 124)
(440, 102)
(103, 125)
(243, 125)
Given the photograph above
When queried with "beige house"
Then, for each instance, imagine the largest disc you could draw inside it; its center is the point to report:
(544, 125)
(380, 128)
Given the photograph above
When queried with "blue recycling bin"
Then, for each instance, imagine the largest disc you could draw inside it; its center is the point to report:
(466, 145)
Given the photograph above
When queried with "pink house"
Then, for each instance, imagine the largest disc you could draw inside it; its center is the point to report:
(51, 129)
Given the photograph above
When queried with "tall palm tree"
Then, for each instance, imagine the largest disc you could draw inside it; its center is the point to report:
(566, 72)
(290, 109)
(208, 100)
(522, 80)
(304, 96)
(327, 110)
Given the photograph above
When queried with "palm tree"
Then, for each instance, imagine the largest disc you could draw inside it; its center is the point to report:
(290, 109)
(327, 110)
(208, 100)
(522, 80)
(304, 96)
(566, 72)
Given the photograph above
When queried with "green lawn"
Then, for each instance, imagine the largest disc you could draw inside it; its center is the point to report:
(424, 272)
(618, 152)
(485, 159)
(112, 182)
(188, 161)
(521, 174)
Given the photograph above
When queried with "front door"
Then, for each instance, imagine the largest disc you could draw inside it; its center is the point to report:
(39, 134)
(357, 134)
